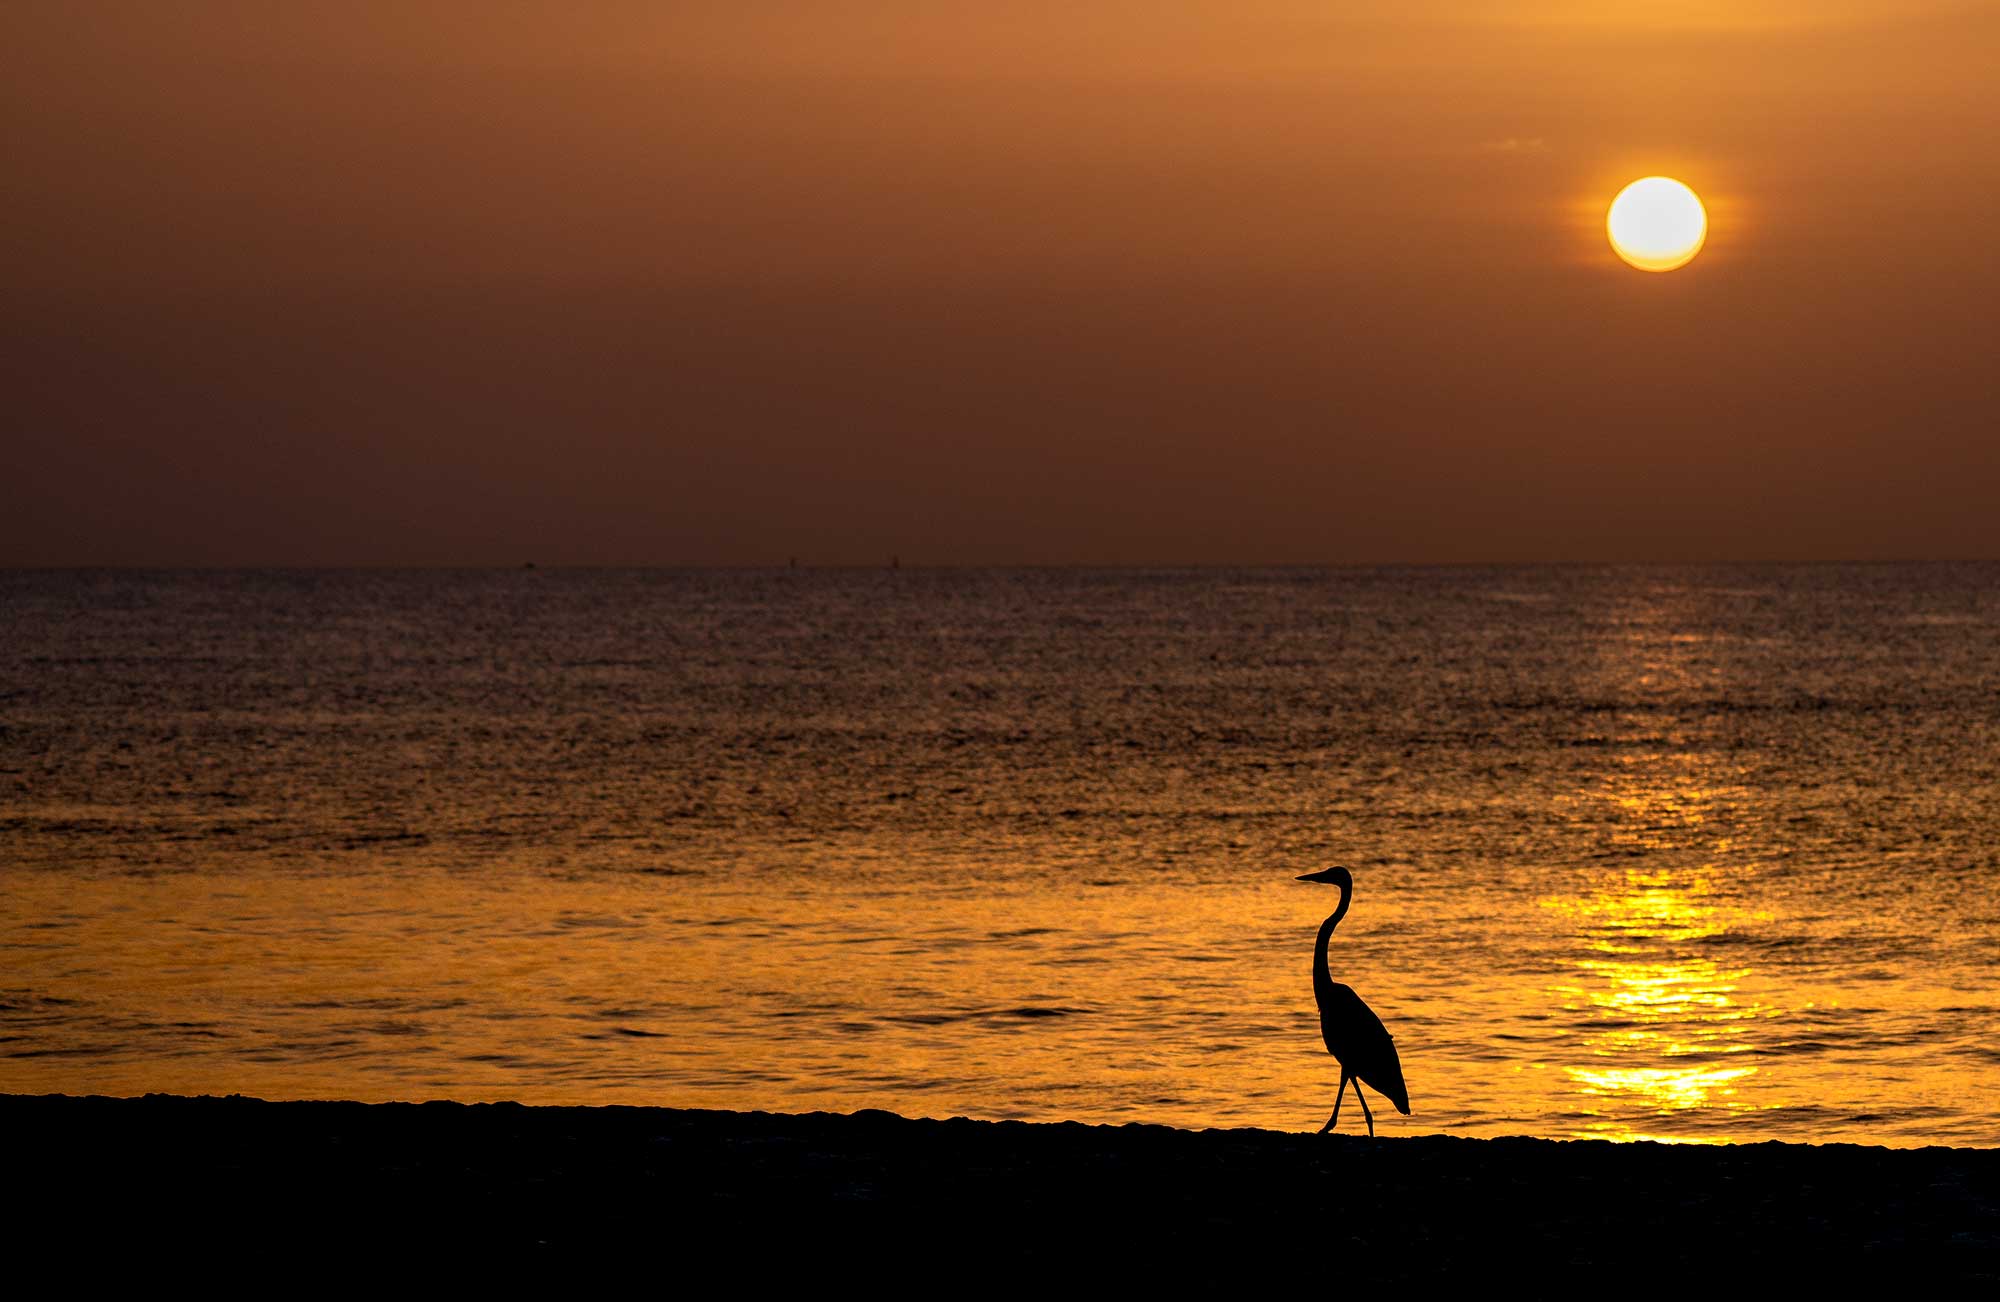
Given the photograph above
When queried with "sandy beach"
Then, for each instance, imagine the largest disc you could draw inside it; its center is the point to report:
(874, 1195)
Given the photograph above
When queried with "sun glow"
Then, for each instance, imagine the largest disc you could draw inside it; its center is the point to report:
(1657, 224)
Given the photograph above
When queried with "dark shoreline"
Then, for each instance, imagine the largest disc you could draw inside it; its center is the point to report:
(785, 1195)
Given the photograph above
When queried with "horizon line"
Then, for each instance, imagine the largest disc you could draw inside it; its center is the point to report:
(896, 565)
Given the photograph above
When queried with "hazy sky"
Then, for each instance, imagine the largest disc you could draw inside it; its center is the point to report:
(993, 281)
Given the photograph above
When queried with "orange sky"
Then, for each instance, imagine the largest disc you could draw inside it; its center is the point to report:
(1125, 281)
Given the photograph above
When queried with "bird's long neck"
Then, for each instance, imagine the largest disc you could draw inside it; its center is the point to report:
(1322, 977)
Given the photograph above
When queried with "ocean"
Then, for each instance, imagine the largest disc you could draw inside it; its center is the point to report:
(1688, 853)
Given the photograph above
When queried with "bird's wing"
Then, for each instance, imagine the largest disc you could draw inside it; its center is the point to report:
(1364, 1046)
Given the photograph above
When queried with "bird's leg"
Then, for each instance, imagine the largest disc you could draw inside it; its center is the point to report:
(1364, 1109)
(1334, 1120)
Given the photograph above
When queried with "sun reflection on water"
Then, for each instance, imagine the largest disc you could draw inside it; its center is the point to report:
(1661, 1024)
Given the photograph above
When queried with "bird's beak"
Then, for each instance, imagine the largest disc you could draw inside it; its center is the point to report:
(1323, 875)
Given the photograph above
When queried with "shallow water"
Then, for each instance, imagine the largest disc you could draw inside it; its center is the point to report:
(1688, 853)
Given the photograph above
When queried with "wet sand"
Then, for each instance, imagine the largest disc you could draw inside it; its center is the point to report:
(659, 1193)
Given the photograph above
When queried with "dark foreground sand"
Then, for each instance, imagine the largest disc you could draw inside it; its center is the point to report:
(666, 1196)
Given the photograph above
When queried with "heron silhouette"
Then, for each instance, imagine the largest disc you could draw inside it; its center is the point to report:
(1354, 1035)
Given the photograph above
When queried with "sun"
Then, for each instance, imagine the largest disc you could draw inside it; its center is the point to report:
(1657, 224)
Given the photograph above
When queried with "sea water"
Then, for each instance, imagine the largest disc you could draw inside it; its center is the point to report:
(1682, 853)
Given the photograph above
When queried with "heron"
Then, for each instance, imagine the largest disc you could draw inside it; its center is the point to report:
(1354, 1035)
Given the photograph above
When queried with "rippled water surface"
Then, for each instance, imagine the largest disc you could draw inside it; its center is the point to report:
(1701, 854)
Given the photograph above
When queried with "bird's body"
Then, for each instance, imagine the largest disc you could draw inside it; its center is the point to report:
(1354, 1035)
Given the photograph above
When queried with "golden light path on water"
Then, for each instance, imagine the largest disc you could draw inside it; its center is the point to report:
(1650, 1007)
(1663, 1023)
